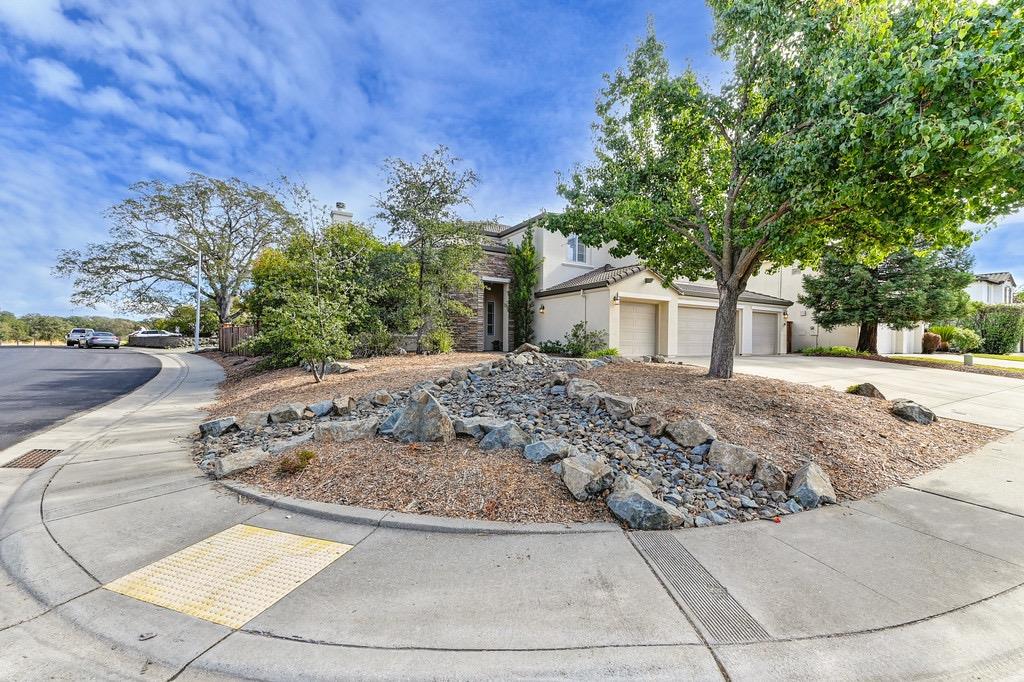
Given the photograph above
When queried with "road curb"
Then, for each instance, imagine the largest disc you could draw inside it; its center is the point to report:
(416, 522)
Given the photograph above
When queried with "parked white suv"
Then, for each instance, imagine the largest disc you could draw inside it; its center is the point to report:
(77, 336)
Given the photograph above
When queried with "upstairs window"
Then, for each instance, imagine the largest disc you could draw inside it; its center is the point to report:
(577, 250)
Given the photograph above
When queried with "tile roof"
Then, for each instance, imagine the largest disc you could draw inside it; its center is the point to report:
(996, 278)
(606, 274)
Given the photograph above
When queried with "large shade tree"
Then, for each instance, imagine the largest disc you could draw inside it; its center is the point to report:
(149, 263)
(905, 289)
(863, 125)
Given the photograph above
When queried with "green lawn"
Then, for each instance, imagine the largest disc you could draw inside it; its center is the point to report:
(945, 361)
(1013, 358)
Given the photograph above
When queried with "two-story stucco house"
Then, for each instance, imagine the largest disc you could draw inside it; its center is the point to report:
(993, 287)
(640, 313)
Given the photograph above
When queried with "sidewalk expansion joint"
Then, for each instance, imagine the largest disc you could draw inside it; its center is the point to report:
(957, 499)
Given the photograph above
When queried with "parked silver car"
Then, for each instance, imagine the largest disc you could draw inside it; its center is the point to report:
(102, 340)
(77, 336)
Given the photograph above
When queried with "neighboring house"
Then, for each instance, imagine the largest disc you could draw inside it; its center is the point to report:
(640, 313)
(992, 287)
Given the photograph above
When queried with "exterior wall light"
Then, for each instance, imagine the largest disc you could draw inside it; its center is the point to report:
(541, 309)
(615, 299)
(648, 280)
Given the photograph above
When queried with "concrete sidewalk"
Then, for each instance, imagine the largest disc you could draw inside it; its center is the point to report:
(923, 580)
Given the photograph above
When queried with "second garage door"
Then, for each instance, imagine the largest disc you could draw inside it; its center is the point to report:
(697, 330)
(638, 329)
(766, 333)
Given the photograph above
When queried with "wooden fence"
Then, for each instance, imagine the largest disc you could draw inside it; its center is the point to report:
(233, 334)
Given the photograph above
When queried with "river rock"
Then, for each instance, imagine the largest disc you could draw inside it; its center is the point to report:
(506, 436)
(690, 433)
(550, 450)
(812, 487)
(634, 504)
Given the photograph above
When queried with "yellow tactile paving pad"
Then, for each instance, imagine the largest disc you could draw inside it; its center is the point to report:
(231, 577)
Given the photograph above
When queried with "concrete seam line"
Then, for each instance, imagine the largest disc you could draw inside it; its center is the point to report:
(583, 647)
(121, 504)
(196, 657)
(957, 499)
(682, 609)
(48, 609)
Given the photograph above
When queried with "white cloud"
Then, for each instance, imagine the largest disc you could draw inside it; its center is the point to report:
(54, 79)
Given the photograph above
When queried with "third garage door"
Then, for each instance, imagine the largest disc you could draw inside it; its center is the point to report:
(638, 329)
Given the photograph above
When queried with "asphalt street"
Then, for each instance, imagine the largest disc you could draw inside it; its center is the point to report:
(42, 386)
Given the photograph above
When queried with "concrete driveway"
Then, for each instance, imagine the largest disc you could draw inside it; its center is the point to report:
(979, 398)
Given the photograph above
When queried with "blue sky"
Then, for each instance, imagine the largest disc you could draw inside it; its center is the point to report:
(95, 95)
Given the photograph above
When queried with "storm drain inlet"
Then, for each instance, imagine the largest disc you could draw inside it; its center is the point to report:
(33, 459)
(706, 599)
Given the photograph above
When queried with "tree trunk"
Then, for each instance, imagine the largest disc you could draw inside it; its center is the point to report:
(867, 341)
(723, 345)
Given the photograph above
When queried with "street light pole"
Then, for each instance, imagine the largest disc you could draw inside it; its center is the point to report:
(199, 279)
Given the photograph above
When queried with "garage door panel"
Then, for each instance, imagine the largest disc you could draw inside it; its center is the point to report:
(766, 334)
(638, 329)
(697, 331)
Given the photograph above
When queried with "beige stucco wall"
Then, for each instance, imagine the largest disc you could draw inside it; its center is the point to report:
(562, 312)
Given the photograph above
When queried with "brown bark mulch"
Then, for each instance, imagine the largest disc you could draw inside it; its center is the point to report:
(863, 447)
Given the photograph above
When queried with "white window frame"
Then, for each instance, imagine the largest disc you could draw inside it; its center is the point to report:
(489, 319)
(577, 250)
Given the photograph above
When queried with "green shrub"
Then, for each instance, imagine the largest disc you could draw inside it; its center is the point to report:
(551, 347)
(1000, 326)
(960, 339)
(601, 353)
(295, 462)
(376, 340)
(833, 352)
(579, 340)
(438, 340)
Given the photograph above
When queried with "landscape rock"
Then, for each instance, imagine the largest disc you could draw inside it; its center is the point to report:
(586, 476)
(476, 427)
(459, 374)
(255, 420)
(339, 368)
(812, 487)
(911, 411)
(318, 409)
(388, 425)
(769, 475)
(286, 412)
(551, 450)
(424, 420)
(217, 427)
(619, 406)
(239, 461)
(342, 431)
(381, 398)
(867, 390)
(690, 433)
(506, 436)
(733, 459)
(343, 405)
(581, 388)
(527, 348)
(284, 445)
(633, 503)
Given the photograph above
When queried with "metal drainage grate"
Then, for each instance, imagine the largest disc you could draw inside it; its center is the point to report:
(707, 599)
(33, 459)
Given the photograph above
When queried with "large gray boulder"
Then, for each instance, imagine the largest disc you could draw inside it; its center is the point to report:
(689, 433)
(586, 476)
(769, 475)
(812, 487)
(866, 390)
(342, 431)
(255, 420)
(551, 450)
(527, 348)
(279, 446)
(508, 436)
(911, 411)
(336, 367)
(619, 406)
(343, 405)
(286, 412)
(581, 388)
(634, 504)
(733, 459)
(218, 427)
(424, 420)
(476, 427)
(239, 461)
(388, 425)
(321, 408)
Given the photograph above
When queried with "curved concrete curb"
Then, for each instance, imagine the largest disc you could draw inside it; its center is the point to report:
(417, 522)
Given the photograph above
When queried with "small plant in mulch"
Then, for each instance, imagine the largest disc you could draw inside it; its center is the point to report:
(295, 462)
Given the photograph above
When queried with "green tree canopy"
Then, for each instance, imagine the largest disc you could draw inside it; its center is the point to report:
(419, 204)
(903, 290)
(860, 125)
(149, 263)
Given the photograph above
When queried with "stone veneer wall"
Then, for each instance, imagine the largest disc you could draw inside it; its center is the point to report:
(469, 331)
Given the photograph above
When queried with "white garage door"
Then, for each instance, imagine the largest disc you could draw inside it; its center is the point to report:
(638, 329)
(766, 333)
(697, 330)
